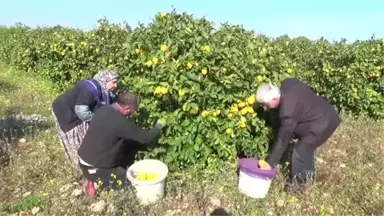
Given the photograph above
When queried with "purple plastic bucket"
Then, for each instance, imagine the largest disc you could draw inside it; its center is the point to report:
(250, 166)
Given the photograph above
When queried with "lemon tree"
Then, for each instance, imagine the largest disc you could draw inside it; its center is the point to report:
(201, 79)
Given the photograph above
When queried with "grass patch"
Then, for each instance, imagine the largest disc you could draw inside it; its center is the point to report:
(37, 177)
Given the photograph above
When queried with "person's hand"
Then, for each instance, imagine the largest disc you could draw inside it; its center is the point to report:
(266, 166)
(162, 122)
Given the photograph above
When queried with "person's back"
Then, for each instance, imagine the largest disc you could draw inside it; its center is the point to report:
(312, 112)
(64, 105)
(103, 138)
(107, 132)
(302, 113)
(102, 149)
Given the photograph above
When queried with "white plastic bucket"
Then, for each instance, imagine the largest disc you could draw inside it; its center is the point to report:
(253, 181)
(252, 186)
(148, 191)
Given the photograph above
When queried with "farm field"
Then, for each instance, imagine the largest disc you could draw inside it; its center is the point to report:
(197, 79)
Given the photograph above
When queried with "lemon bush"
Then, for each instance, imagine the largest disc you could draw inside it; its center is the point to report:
(200, 78)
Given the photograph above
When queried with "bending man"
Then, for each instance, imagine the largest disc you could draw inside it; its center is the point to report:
(307, 116)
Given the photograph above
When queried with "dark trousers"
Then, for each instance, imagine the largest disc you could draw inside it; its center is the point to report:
(114, 178)
(303, 155)
(111, 178)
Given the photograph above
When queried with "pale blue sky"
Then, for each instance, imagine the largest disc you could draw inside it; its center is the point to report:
(311, 18)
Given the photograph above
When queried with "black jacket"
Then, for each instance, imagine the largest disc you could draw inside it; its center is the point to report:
(104, 141)
(303, 113)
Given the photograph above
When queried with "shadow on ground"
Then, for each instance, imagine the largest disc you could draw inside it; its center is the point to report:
(220, 212)
(14, 127)
(6, 86)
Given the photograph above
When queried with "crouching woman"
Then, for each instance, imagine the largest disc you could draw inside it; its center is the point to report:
(74, 109)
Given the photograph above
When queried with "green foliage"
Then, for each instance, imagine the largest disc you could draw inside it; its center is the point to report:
(198, 78)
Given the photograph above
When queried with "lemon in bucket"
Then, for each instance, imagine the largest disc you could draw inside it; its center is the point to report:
(148, 177)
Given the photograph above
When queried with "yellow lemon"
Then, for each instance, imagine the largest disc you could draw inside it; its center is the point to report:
(204, 113)
(152, 176)
(230, 115)
(185, 107)
(244, 111)
(149, 63)
(261, 163)
(181, 92)
(216, 113)
(242, 118)
(141, 176)
(189, 65)
(155, 60)
(242, 124)
(241, 104)
(251, 99)
(234, 109)
(157, 90)
(259, 78)
(195, 110)
(163, 15)
(164, 90)
(204, 71)
(229, 131)
(206, 48)
(147, 176)
(250, 109)
(137, 51)
(163, 47)
(289, 70)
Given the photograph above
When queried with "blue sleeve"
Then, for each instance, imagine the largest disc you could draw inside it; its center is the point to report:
(85, 103)
(83, 112)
